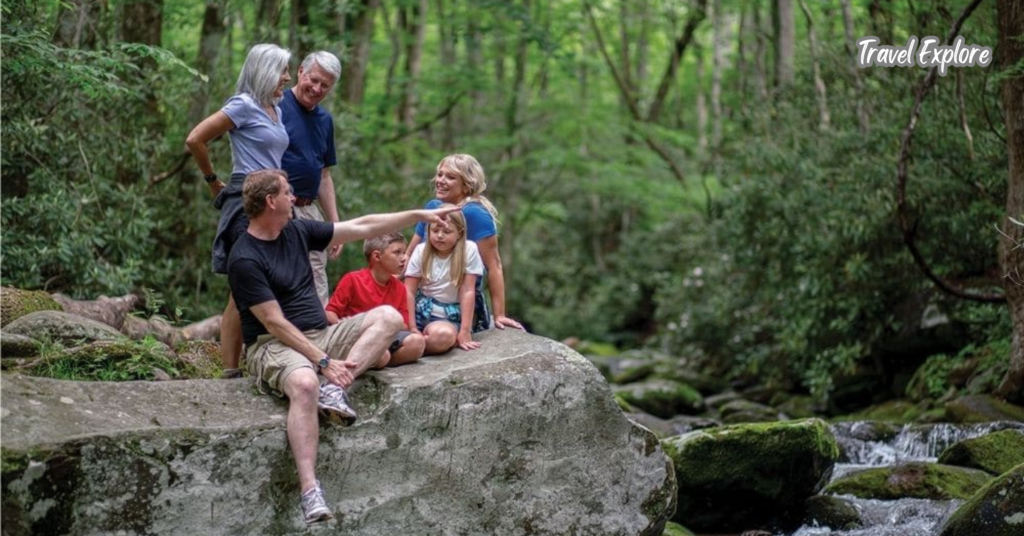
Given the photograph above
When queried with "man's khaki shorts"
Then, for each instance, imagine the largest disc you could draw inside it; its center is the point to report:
(270, 361)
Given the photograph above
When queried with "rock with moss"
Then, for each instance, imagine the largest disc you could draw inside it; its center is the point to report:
(997, 509)
(15, 345)
(16, 303)
(633, 370)
(995, 453)
(744, 476)
(982, 408)
(832, 512)
(798, 407)
(199, 359)
(918, 480)
(740, 410)
(895, 411)
(675, 529)
(66, 329)
(520, 436)
(662, 398)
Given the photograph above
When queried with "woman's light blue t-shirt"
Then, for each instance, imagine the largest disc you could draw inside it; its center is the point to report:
(479, 222)
(257, 142)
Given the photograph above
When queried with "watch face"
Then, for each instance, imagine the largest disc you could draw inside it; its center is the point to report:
(324, 362)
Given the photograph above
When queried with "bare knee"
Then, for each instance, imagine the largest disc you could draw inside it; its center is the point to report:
(415, 344)
(440, 337)
(386, 316)
(383, 360)
(302, 386)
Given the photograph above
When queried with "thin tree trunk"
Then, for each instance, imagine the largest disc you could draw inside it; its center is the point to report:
(702, 107)
(824, 120)
(414, 29)
(760, 68)
(642, 44)
(785, 42)
(697, 14)
(863, 117)
(78, 24)
(353, 84)
(268, 15)
(1011, 248)
(301, 39)
(515, 175)
(141, 22)
(741, 57)
(719, 42)
(963, 113)
(446, 35)
(210, 39)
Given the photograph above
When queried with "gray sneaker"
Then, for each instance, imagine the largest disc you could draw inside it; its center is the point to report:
(334, 404)
(314, 505)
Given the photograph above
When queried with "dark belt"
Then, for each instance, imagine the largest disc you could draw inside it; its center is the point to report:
(303, 201)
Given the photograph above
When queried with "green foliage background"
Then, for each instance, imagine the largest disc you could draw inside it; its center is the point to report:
(777, 257)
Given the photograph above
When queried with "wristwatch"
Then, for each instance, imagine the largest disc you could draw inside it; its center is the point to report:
(324, 362)
(210, 178)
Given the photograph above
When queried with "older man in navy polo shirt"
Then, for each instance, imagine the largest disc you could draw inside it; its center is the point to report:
(311, 152)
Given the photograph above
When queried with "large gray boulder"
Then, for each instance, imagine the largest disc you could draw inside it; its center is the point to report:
(996, 510)
(519, 437)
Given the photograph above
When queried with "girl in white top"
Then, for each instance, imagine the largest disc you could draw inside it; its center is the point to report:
(441, 283)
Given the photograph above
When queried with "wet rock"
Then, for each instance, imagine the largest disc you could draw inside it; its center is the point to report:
(743, 476)
(738, 411)
(716, 401)
(995, 510)
(995, 453)
(798, 407)
(67, 329)
(982, 408)
(521, 436)
(16, 303)
(832, 512)
(914, 480)
(662, 398)
(680, 424)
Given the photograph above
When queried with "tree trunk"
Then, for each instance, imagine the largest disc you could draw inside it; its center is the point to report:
(1011, 250)
(962, 107)
(785, 42)
(268, 15)
(353, 84)
(719, 41)
(301, 39)
(78, 24)
(515, 174)
(206, 59)
(702, 106)
(851, 51)
(413, 23)
(760, 69)
(824, 120)
(446, 35)
(642, 44)
(141, 22)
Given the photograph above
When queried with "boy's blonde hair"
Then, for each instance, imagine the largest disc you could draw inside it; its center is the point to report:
(471, 173)
(458, 254)
(380, 243)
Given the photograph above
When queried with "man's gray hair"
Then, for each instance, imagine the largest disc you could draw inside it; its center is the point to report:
(327, 61)
(262, 72)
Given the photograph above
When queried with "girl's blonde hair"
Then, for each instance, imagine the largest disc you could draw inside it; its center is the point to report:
(471, 173)
(458, 254)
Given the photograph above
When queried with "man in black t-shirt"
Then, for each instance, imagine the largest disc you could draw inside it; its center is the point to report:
(287, 338)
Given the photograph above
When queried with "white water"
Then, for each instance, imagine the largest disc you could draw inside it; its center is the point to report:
(913, 442)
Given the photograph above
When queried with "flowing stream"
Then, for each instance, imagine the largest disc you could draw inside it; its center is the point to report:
(862, 447)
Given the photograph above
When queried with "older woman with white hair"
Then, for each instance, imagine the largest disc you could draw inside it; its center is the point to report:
(252, 120)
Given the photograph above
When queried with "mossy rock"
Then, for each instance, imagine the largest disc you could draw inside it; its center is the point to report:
(743, 476)
(59, 327)
(740, 410)
(15, 345)
(995, 453)
(895, 411)
(982, 408)
(997, 509)
(199, 359)
(797, 407)
(16, 303)
(662, 398)
(633, 371)
(832, 512)
(675, 529)
(916, 480)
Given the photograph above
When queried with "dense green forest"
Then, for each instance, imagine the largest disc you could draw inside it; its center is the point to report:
(716, 179)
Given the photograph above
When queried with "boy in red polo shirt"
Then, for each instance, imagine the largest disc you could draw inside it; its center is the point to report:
(377, 285)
